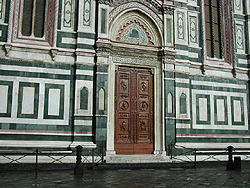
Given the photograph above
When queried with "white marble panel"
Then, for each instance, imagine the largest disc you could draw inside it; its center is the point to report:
(28, 100)
(220, 110)
(170, 103)
(79, 85)
(68, 40)
(34, 69)
(217, 84)
(203, 109)
(237, 111)
(101, 99)
(54, 102)
(84, 72)
(3, 98)
(179, 91)
(86, 41)
(229, 126)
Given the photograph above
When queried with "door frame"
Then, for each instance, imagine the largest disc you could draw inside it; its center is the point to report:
(133, 145)
(158, 122)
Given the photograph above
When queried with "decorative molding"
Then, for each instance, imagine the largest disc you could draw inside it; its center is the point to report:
(2, 10)
(67, 14)
(7, 48)
(86, 12)
(154, 5)
(135, 32)
(137, 61)
(180, 25)
(238, 5)
(239, 37)
(106, 2)
(169, 10)
(49, 21)
(119, 9)
(53, 53)
(193, 29)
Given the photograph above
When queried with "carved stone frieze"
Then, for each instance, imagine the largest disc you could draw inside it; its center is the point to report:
(137, 61)
(153, 4)
(168, 10)
(119, 9)
(106, 2)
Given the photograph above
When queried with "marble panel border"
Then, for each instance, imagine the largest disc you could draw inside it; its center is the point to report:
(20, 100)
(9, 98)
(46, 102)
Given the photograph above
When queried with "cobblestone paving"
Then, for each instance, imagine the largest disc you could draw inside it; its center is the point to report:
(146, 178)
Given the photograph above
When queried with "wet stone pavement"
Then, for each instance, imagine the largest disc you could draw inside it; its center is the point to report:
(125, 178)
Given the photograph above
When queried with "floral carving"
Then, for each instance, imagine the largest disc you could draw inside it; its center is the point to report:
(144, 86)
(143, 106)
(123, 105)
(123, 126)
(124, 85)
(143, 126)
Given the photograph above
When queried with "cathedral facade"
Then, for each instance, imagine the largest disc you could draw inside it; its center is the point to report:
(136, 75)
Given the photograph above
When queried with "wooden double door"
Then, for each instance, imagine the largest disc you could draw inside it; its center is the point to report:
(134, 111)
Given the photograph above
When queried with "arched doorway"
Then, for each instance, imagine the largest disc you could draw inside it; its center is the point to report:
(134, 111)
(135, 79)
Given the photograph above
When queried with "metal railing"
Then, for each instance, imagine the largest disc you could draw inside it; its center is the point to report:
(190, 155)
(16, 158)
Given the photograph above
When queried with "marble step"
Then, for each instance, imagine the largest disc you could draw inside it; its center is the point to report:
(135, 159)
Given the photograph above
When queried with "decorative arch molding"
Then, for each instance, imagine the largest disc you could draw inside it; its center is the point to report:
(137, 28)
(121, 9)
(155, 5)
(134, 31)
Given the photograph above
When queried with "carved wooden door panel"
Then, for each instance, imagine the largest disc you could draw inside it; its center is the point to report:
(134, 111)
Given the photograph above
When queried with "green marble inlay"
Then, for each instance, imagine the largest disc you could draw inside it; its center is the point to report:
(7, 11)
(84, 77)
(101, 134)
(103, 20)
(9, 98)
(83, 117)
(46, 101)
(33, 64)
(169, 31)
(101, 84)
(84, 67)
(212, 131)
(59, 14)
(33, 115)
(34, 75)
(216, 109)
(84, 93)
(102, 69)
(86, 35)
(4, 30)
(198, 121)
(101, 122)
(210, 79)
(183, 104)
(86, 46)
(213, 140)
(214, 88)
(183, 85)
(234, 111)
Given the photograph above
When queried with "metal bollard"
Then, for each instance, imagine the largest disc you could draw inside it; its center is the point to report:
(237, 162)
(230, 164)
(78, 168)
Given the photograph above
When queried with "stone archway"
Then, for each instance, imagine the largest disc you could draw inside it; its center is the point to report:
(135, 42)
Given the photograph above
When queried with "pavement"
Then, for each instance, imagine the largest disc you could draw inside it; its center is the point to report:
(177, 177)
